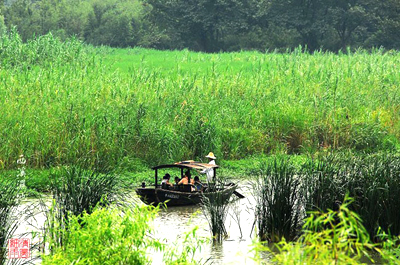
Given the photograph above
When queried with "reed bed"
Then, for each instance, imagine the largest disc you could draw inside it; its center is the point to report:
(278, 209)
(61, 101)
(75, 191)
(285, 193)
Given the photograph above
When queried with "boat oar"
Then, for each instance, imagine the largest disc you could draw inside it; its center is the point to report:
(239, 195)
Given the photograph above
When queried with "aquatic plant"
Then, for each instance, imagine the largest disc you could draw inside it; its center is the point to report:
(278, 201)
(371, 180)
(10, 197)
(215, 208)
(76, 190)
(332, 237)
(235, 214)
(324, 182)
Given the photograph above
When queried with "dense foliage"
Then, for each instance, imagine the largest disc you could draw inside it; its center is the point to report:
(285, 192)
(117, 235)
(333, 237)
(107, 236)
(62, 102)
(208, 25)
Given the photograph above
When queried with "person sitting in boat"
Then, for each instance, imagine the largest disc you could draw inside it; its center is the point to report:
(197, 183)
(185, 179)
(177, 180)
(176, 187)
(165, 184)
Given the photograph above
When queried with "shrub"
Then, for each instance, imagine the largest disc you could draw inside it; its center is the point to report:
(107, 236)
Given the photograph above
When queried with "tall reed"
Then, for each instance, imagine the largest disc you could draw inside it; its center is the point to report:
(278, 201)
(215, 209)
(10, 197)
(76, 190)
(108, 105)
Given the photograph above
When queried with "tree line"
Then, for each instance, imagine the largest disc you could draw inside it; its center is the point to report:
(211, 25)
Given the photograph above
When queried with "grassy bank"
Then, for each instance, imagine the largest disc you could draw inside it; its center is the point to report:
(61, 102)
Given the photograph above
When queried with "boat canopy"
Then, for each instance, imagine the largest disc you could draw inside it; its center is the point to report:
(189, 164)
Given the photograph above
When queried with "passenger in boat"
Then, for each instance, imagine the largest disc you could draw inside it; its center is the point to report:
(176, 187)
(210, 171)
(185, 179)
(165, 182)
(197, 183)
(177, 180)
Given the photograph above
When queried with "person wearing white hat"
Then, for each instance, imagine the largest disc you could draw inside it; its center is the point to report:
(210, 171)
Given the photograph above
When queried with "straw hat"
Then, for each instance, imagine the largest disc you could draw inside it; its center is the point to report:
(211, 155)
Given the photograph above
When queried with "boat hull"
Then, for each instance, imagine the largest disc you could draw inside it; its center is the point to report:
(177, 198)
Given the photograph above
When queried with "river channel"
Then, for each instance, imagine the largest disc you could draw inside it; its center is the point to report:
(171, 225)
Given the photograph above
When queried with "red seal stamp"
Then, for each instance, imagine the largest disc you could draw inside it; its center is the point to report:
(19, 248)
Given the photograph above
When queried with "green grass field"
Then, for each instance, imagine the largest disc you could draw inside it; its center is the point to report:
(63, 102)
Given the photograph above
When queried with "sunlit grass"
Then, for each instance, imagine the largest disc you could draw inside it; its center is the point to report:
(113, 105)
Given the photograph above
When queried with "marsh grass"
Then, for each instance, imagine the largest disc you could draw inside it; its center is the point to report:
(10, 197)
(216, 209)
(323, 183)
(285, 192)
(161, 106)
(331, 237)
(377, 197)
(371, 180)
(76, 190)
(278, 201)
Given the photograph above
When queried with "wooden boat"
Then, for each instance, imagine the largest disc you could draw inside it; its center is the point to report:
(184, 194)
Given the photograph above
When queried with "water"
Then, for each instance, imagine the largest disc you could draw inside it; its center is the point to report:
(31, 218)
(173, 222)
(170, 226)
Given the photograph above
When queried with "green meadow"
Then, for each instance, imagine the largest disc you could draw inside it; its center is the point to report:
(65, 101)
